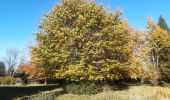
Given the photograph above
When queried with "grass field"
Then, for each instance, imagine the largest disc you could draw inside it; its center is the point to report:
(132, 93)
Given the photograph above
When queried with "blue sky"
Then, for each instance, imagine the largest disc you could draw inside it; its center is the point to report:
(19, 18)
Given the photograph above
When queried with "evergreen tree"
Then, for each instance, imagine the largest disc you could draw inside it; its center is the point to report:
(2, 69)
(165, 60)
(162, 24)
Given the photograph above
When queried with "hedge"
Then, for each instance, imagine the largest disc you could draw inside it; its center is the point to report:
(9, 80)
(10, 92)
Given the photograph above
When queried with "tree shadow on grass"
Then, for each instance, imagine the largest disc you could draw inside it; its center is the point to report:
(9, 93)
(119, 86)
(123, 85)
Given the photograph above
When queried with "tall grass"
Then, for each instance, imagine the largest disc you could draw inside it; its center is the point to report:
(133, 93)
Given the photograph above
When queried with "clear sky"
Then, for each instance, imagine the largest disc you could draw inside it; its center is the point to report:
(19, 18)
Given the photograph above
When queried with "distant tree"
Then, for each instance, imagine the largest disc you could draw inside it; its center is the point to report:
(24, 56)
(2, 69)
(22, 60)
(29, 69)
(11, 61)
(162, 24)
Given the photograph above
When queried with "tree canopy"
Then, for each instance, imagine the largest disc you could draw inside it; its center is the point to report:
(79, 40)
(158, 42)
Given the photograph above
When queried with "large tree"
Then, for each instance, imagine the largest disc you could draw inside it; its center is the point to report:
(79, 40)
(158, 42)
(166, 59)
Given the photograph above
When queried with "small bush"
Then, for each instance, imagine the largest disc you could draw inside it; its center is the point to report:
(9, 80)
(48, 95)
(83, 88)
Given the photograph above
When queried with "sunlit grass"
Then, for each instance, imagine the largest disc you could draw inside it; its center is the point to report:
(133, 93)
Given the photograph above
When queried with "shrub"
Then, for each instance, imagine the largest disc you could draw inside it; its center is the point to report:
(48, 95)
(9, 80)
(83, 88)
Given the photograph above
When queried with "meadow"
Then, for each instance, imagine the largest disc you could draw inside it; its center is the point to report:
(132, 93)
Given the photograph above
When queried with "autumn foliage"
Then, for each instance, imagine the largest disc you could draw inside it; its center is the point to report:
(79, 40)
(159, 42)
(82, 41)
(30, 70)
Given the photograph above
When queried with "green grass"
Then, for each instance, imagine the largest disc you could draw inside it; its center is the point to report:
(133, 93)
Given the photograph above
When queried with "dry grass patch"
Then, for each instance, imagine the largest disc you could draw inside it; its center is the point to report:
(133, 93)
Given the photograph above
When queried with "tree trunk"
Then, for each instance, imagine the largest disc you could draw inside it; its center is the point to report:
(156, 77)
(45, 81)
(157, 63)
(153, 59)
